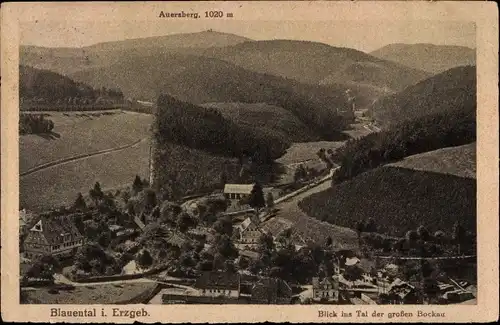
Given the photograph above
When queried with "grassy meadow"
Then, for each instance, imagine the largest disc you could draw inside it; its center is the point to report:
(77, 133)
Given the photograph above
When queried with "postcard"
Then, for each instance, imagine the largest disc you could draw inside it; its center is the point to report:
(249, 161)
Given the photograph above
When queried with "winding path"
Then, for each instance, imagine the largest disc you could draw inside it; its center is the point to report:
(79, 157)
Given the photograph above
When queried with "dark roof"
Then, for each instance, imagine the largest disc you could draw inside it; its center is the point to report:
(55, 227)
(224, 280)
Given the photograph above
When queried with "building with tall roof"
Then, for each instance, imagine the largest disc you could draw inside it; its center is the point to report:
(219, 284)
(52, 235)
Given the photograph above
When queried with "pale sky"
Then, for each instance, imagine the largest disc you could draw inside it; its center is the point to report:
(362, 35)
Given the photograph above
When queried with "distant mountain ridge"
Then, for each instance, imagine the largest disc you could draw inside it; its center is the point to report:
(317, 63)
(71, 60)
(308, 62)
(428, 57)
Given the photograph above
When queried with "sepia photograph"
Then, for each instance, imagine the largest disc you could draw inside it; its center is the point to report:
(211, 167)
(202, 158)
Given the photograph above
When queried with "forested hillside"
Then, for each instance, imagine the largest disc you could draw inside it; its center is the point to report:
(42, 87)
(206, 129)
(200, 80)
(454, 89)
(398, 200)
(430, 132)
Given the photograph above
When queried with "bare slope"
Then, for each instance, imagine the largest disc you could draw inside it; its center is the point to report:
(79, 133)
(459, 161)
(428, 57)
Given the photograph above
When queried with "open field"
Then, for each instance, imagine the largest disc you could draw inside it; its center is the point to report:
(302, 151)
(459, 161)
(100, 293)
(59, 185)
(77, 133)
(398, 199)
(306, 226)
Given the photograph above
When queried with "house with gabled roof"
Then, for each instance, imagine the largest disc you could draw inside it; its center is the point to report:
(219, 284)
(237, 191)
(249, 232)
(326, 289)
(52, 235)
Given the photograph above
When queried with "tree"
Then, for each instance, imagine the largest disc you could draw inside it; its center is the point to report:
(431, 289)
(360, 227)
(45, 267)
(96, 193)
(144, 259)
(223, 179)
(412, 237)
(185, 221)
(371, 226)
(300, 173)
(224, 226)
(226, 248)
(458, 236)
(229, 266)
(244, 174)
(80, 204)
(125, 196)
(137, 186)
(266, 243)
(329, 241)
(423, 233)
(256, 198)
(270, 200)
(353, 273)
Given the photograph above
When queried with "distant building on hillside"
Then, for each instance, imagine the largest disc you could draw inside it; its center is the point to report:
(237, 191)
(52, 236)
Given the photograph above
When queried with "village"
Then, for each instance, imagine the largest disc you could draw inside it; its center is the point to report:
(219, 248)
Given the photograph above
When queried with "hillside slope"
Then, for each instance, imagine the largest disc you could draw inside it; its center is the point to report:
(200, 80)
(459, 161)
(207, 129)
(428, 57)
(50, 85)
(398, 199)
(454, 89)
(265, 119)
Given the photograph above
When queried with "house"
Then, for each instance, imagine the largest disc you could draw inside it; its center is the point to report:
(237, 191)
(271, 291)
(402, 292)
(52, 236)
(219, 284)
(326, 289)
(249, 232)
